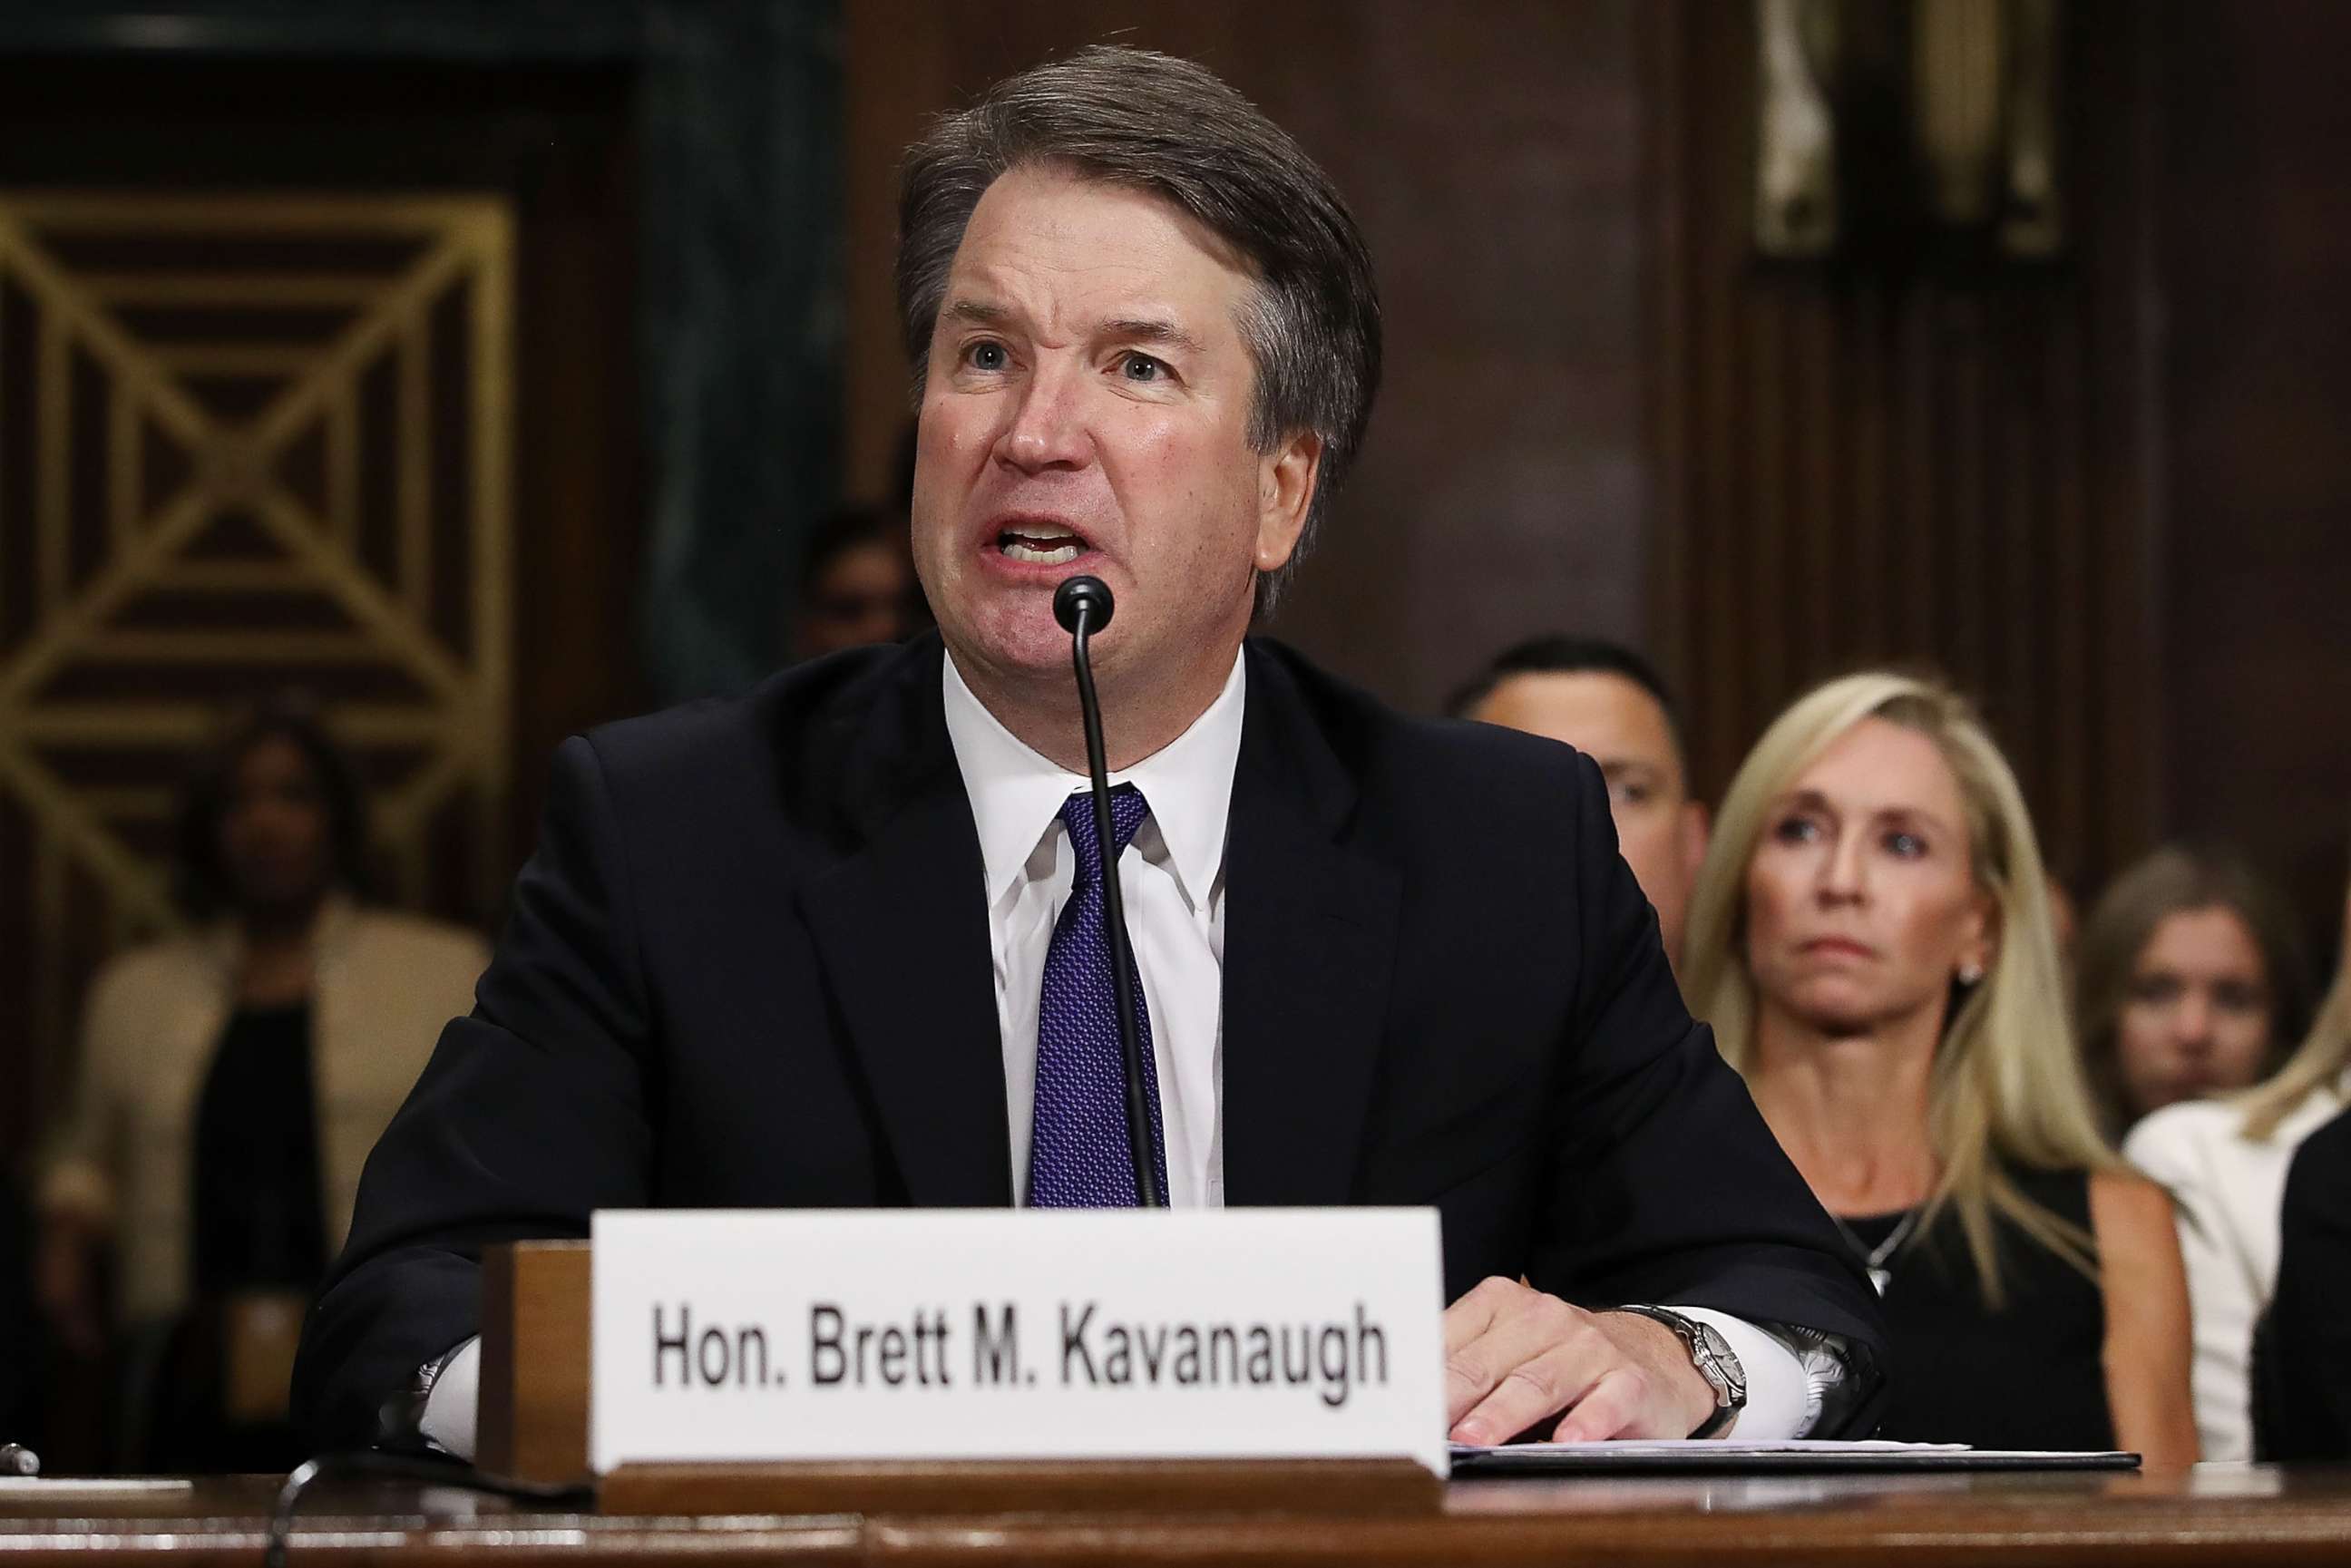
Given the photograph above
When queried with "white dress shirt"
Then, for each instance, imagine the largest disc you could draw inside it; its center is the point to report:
(2226, 1191)
(1172, 878)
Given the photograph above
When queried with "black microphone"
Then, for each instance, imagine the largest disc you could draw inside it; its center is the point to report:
(1084, 605)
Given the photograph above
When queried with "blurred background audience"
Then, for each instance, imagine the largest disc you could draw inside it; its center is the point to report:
(2191, 982)
(857, 583)
(1870, 940)
(2224, 1162)
(234, 1080)
(1604, 700)
(2304, 1359)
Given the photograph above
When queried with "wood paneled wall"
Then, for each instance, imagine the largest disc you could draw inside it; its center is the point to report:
(2255, 586)
(2105, 492)
(1911, 460)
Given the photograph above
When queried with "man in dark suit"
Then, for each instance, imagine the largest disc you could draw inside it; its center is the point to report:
(833, 944)
(2303, 1365)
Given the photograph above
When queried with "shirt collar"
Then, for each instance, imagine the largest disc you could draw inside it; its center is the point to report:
(1016, 791)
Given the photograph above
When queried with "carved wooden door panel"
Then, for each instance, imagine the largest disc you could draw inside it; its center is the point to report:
(248, 442)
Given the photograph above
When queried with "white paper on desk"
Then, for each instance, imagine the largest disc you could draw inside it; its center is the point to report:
(1698, 1447)
(64, 1488)
(1712, 1453)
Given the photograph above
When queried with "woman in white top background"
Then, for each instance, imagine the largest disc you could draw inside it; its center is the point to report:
(2225, 1164)
(2191, 982)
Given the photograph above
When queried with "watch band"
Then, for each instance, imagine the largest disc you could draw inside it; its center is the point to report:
(1716, 1362)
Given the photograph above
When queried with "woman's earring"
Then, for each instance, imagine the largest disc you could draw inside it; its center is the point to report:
(1970, 972)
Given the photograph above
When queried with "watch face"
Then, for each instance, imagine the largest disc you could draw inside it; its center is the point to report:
(1724, 1359)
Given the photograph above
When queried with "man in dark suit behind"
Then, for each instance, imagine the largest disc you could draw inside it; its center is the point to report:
(2302, 1362)
(802, 948)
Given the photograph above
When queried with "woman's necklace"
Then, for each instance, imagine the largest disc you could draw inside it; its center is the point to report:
(1874, 1257)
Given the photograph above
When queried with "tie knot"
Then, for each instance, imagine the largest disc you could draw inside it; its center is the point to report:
(1127, 810)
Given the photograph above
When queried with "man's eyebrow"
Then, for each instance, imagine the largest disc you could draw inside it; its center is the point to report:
(1151, 329)
(978, 311)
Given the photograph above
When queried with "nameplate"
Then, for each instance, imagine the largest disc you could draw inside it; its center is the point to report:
(760, 1335)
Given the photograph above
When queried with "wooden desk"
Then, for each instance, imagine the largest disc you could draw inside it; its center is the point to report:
(2215, 1516)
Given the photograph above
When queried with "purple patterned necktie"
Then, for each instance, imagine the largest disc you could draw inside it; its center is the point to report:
(1078, 1149)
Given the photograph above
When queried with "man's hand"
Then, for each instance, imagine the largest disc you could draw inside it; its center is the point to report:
(1514, 1358)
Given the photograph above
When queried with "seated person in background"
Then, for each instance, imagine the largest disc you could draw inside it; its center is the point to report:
(799, 949)
(232, 1080)
(1604, 700)
(1870, 940)
(2225, 1162)
(2305, 1364)
(857, 584)
(2065, 924)
(22, 1362)
(2191, 982)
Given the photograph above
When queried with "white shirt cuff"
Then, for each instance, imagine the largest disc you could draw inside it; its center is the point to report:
(1779, 1402)
(451, 1409)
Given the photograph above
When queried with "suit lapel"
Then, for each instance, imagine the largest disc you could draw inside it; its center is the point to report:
(1309, 937)
(900, 926)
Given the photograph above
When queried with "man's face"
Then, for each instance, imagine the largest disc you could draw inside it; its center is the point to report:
(1622, 727)
(1086, 409)
(274, 835)
(860, 595)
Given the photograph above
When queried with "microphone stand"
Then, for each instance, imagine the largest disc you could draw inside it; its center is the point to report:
(1084, 605)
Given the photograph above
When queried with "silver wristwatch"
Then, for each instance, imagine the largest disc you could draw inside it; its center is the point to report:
(1716, 1362)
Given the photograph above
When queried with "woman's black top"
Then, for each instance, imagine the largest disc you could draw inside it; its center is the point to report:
(2030, 1375)
(259, 1210)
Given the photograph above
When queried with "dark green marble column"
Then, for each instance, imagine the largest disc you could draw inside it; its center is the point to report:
(740, 318)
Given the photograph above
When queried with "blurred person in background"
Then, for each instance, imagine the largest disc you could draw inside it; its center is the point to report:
(2064, 922)
(1606, 701)
(2304, 1362)
(2191, 982)
(232, 1081)
(1870, 939)
(857, 584)
(20, 1327)
(2225, 1162)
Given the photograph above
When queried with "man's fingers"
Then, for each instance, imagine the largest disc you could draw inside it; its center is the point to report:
(1614, 1408)
(1475, 1312)
(1531, 1326)
(1535, 1388)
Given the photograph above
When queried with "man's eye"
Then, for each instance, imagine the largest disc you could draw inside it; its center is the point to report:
(1140, 367)
(986, 356)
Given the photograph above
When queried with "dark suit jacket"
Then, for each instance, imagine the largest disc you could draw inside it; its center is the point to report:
(748, 965)
(2302, 1362)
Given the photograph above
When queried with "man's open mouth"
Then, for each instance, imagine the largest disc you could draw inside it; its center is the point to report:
(1040, 544)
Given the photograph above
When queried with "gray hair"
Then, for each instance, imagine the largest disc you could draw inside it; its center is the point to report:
(1154, 123)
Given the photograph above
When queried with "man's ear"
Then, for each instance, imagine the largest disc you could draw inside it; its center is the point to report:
(1285, 479)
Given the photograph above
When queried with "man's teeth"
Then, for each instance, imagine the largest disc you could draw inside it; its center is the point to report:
(1061, 549)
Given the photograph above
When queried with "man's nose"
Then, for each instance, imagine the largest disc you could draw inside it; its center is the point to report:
(1048, 429)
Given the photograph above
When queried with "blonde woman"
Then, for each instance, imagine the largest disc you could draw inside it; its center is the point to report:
(1870, 938)
(2225, 1162)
